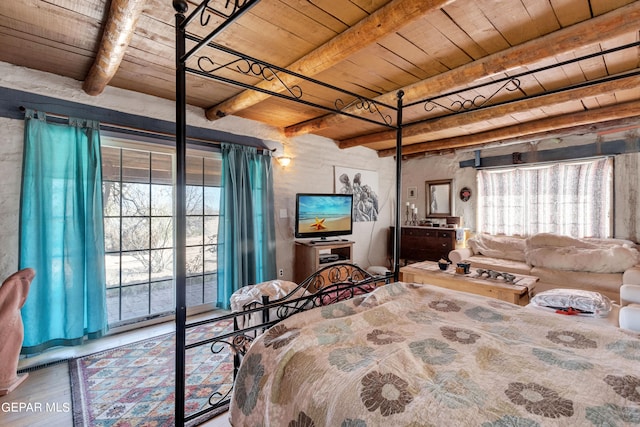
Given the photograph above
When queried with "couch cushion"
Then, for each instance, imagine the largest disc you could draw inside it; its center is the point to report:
(613, 259)
(499, 264)
(507, 247)
(630, 317)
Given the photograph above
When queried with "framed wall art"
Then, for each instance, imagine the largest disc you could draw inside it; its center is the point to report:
(363, 184)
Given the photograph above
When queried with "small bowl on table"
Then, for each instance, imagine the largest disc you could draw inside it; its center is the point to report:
(443, 265)
(463, 268)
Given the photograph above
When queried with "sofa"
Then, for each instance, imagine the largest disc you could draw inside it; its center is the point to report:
(600, 265)
(630, 310)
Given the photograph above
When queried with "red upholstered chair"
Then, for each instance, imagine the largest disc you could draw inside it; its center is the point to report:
(13, 294)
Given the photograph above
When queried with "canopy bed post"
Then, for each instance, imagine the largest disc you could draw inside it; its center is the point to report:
(187, 44)
(396, 241)
(180, 7)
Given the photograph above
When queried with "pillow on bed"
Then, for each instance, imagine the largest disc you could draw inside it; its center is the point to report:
(274, 289)
(590, 303)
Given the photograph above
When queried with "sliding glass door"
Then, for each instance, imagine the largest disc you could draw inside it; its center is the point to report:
(139, 229)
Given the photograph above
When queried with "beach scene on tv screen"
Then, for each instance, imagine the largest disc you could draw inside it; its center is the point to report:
(324, 214)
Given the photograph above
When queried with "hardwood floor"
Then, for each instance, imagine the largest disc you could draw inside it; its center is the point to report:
(44, 398)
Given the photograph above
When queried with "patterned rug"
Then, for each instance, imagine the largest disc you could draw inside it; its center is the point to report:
(133, 385)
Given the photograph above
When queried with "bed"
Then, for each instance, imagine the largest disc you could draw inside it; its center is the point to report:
(409, 354)
(471, 385)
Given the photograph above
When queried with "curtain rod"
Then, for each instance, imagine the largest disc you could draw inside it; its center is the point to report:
(146, 133)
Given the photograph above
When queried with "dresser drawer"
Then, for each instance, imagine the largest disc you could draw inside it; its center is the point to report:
(418, 232)
(425, 243)
(446, 234)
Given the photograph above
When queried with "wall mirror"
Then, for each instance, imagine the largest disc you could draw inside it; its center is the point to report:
(438, 198)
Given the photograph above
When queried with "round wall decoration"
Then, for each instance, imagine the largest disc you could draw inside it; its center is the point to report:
(465, 194)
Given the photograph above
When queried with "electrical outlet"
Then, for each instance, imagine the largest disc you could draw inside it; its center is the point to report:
(281, 272)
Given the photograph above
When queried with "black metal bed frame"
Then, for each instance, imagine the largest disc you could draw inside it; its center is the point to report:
(336, 282)
(238, 63)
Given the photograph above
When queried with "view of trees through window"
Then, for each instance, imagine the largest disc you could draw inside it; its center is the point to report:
(138, 199)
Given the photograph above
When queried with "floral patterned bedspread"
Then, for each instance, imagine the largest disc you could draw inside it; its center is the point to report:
(417, 355)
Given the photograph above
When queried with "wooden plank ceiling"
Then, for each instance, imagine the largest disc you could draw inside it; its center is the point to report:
(436, 49)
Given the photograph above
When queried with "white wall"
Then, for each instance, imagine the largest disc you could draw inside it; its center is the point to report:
(416, 171)
(310, 171)
(11, 132)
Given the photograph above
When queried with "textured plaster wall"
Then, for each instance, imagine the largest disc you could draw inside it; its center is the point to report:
(415, 173)
(627, 197)
(11, 136)
(311, 169)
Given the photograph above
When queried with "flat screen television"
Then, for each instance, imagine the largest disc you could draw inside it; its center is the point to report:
(319, 216)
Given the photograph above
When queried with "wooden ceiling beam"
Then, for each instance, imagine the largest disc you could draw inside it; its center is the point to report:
(592, 31)
(490, 113)
(382, 22)
(118, 31)
(528, 130)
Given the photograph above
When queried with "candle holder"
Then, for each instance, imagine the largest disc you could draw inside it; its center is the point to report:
(408, 220)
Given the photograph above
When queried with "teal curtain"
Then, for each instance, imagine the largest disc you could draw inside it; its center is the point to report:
(246, 231)
(61, 233)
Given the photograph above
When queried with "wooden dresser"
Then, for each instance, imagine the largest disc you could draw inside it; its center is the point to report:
(424, 243)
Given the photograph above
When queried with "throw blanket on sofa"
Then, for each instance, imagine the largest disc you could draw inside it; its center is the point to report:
(506, 247)
(410, 354)
(591, 255)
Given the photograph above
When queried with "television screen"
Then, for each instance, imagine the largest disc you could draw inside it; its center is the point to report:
(323, 215)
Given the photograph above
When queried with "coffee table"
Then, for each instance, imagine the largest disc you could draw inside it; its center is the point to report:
(428, 272)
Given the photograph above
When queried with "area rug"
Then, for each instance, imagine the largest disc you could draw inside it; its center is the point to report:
(133, 385)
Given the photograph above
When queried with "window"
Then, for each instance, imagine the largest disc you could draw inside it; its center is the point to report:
(573, 198)
(139, 229)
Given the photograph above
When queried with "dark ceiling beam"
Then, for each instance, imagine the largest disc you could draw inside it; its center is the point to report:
(593, 31)
(118, 31)
(382, 22)
(595, 149)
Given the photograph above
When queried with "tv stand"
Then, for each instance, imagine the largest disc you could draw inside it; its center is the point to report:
(310, 256)
(326, 241)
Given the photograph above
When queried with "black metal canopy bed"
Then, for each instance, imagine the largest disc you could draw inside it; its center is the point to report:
(398, 354)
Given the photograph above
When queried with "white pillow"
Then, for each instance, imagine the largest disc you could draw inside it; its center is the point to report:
(274, 289)
(590, 303)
